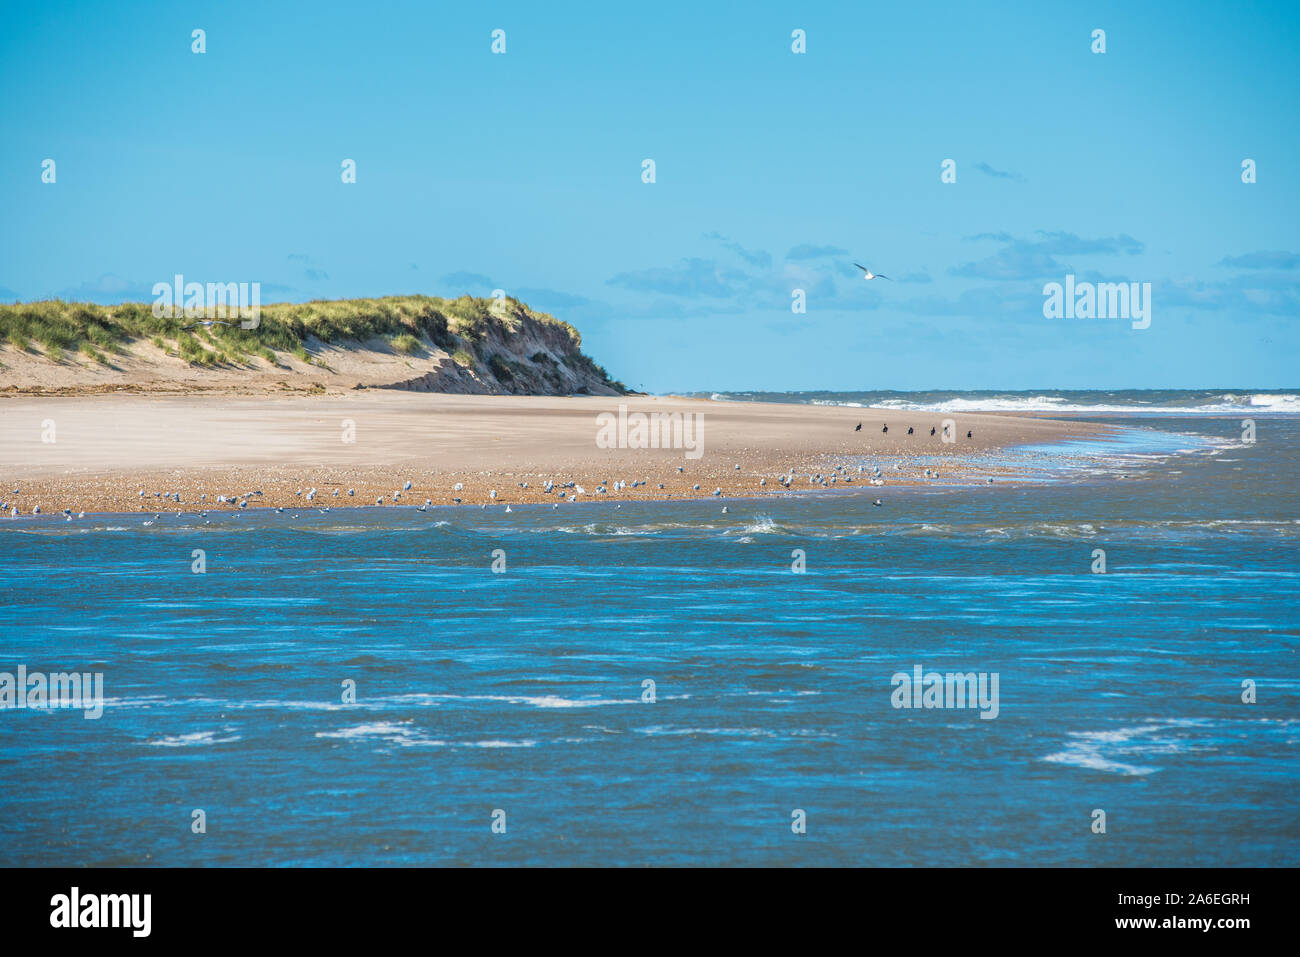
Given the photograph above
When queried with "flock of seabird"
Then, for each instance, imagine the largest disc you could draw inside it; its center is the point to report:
(566, 491)
(885, 429)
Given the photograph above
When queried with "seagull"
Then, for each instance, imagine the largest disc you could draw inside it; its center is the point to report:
(869, 274)
(208, 322)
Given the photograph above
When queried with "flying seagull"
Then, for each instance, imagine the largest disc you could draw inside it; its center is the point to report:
(869, 274)
(218, 322)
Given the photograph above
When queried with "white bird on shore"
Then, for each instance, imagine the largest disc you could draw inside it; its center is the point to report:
(406, 487)
(869, 274)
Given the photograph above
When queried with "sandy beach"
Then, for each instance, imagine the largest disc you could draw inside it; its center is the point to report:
(99, 452)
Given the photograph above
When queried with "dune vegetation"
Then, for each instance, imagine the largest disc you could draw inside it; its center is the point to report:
(475, 331)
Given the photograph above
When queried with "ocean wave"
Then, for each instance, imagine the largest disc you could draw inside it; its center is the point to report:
(1228, 402)
(402, 735)
(607, 529)
(193, 739)
(399, 733)
(656, 730)
(536, 701)
(500, 744)
(1117, 751)
(762, 525)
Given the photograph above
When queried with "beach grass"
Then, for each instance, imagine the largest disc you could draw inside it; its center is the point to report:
(406, 343)
(464, 327)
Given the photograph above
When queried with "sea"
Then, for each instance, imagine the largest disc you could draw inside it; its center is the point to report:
(664, 684)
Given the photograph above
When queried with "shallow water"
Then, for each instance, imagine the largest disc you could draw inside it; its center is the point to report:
(522, 691)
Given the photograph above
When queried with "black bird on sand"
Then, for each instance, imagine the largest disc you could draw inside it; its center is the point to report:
(859, 428)
(968, 434)
(909, 430)
(885, 429)
(932, 430)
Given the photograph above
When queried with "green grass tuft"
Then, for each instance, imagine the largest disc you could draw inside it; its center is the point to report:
(405, 342)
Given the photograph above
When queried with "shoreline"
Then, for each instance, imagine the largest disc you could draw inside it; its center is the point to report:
(97, 454)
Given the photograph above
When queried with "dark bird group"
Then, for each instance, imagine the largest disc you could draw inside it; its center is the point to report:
(910, 430)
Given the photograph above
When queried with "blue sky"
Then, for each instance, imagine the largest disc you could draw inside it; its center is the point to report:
(774, 171)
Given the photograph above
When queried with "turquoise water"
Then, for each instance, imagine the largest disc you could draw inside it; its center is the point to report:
(523, 691)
